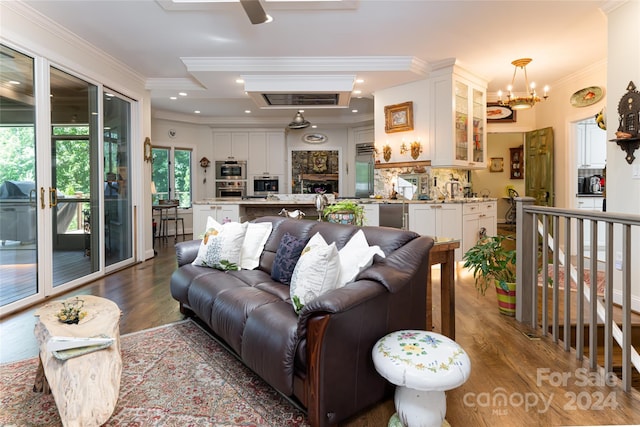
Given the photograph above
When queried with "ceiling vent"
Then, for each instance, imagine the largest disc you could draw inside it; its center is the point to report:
(309, 91)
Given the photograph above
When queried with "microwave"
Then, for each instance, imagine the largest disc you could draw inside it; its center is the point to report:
(265, 185)
(231, 169)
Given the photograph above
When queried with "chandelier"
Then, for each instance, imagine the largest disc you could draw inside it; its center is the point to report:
(516, 102)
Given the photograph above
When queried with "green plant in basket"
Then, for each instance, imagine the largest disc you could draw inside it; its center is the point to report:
(346, 207)
(490, 261)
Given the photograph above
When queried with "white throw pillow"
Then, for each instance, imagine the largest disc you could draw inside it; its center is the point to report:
(316, 272)
(355, 256)
(221, 242)
(254, 240)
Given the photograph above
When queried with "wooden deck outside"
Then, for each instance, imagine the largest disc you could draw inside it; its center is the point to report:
(518, 378)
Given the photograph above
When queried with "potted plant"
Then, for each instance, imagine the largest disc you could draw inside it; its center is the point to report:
(491, 262)
(344, 212)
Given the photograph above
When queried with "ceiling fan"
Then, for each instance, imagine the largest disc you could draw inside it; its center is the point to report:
(255, 11)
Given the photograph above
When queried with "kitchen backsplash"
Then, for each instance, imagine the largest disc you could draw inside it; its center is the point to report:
(385, 179)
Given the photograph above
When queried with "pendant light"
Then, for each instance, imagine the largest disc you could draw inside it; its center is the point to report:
(299, 122)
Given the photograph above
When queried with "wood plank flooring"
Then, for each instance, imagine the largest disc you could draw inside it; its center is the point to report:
(515, 381)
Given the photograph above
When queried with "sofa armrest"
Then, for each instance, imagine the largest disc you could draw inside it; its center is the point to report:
(339, 300)
(186, 252)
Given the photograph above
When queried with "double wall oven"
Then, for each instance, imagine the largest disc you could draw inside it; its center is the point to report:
(231, 178)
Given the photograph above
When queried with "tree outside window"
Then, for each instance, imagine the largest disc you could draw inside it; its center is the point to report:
(172, 175)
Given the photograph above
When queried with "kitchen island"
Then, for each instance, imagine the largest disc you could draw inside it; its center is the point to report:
(465, 219)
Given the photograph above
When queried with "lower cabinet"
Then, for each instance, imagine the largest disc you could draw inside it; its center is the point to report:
(371, 215)
(478, 220)
(221, 213)
(437, 220)
(592, 204)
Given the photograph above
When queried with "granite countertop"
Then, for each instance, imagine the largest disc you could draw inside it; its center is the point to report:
(307, 199)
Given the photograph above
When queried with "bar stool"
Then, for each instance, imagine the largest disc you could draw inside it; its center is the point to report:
(175, 221)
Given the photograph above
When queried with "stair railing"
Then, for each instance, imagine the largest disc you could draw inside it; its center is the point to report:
(536, 228)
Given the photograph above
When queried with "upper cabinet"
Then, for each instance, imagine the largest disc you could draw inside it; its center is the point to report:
(592, 145)
(267, 153)
(458, 122)
(228, 145)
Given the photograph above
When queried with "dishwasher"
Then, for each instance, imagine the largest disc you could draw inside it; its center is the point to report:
(391, 214)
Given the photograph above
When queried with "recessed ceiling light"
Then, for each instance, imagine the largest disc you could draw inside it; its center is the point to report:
(314, 126)
(239, 81)
(357, 92)
(359, 80)
(182, 93)
(354, 111)
(247, 111)
(173, 98)
(197, 111)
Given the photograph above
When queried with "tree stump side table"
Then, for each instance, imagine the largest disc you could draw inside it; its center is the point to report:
(423, 365)
(85, 388)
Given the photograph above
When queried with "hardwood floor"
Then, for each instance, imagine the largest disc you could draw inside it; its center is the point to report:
(515, 380)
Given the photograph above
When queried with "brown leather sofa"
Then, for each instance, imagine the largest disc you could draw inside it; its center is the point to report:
(320, 358)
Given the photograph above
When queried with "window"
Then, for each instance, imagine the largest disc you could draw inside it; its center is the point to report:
(172, 175)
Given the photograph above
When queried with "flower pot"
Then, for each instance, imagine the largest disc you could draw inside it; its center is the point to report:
(342, 218)
(506, 298)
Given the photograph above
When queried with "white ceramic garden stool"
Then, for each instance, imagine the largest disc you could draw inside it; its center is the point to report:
(423, 365)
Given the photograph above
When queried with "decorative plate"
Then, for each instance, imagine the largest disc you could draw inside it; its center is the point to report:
(497, 112)
(587, 96)
(314, 138)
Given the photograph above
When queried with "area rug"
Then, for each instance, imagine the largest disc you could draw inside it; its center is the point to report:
(586, 278)
(174, 375)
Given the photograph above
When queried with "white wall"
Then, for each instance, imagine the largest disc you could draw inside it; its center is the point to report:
(498, 145)
(623, 192)
(417, 92)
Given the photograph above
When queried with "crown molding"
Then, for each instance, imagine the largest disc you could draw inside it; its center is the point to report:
(307, 64)
(86, 50)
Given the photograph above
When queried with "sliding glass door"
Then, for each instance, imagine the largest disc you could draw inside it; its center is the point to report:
(18, 195)
(66, 213)
(74, 188)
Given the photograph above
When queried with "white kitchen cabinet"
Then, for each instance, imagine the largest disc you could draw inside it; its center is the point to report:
(371, 214)
(591, 145)
(230, 145)
(592, 204)
(219, 212)
(478, 219)
(267, 157)
(267, 153)
(437, 220)
(458, 118)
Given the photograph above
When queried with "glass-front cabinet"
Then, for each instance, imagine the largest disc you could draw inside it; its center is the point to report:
(457, 131)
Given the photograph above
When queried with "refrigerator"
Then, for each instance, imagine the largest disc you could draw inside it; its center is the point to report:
(365, 162)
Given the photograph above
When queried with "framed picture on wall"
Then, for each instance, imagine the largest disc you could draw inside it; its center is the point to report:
(496, 164)
(497, 113)
(398, 117)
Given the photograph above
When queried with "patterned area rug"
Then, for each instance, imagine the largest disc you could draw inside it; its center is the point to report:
(587, 279)
(174, 375)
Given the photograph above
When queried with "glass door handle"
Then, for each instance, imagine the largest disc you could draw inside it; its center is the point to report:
(53, 197)
(41, 197)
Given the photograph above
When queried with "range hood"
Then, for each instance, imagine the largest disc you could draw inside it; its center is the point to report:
(308, 91)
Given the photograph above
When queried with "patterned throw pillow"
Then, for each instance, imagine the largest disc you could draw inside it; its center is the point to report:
(221, 245)
(286, 258)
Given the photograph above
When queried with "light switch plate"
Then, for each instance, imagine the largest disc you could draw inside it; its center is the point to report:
(636, 172)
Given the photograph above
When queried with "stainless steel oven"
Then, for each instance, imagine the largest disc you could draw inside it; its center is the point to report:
(231, 169)
(235, 189)
(265, 185)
